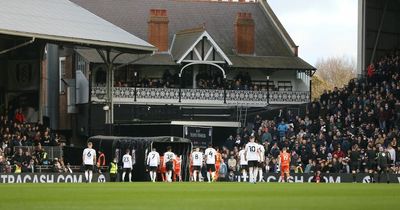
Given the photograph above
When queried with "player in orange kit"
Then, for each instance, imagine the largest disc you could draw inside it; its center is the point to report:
(162, 169)
(218, 158)
(177, 169)
(284, 159)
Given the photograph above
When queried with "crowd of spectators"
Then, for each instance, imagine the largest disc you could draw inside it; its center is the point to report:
(340, 133)
(22, 145)
(204, 80)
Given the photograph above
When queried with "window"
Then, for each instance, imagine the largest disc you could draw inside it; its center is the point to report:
(80, 64)
(302, 75)
(61, 66)
(285, 86)
(270, 85)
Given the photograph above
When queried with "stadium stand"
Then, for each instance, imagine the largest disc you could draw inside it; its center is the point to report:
(360, 117)
(26, 147)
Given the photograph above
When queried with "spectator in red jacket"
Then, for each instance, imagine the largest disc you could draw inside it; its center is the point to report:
(19, 117)
(338, 153)
(371, 70)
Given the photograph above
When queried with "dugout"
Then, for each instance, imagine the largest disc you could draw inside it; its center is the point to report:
(115, 146)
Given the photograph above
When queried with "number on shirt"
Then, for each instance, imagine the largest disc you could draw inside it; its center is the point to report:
(285, 157)
(154, 155)
(89, 154)
(126, 159)
(210, 154)
(196, 156)
(252, 148)
(169, 156)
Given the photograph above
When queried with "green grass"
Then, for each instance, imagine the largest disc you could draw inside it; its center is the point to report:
(204, 196)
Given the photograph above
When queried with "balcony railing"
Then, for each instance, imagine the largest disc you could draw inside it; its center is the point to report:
(130, 95)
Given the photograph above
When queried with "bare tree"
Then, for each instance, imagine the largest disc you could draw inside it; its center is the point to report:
(333, 72)
(318, 86)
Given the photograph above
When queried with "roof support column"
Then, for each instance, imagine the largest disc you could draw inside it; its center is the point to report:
(378, 35)
(224, 84)
(180, 88)
(109, 103)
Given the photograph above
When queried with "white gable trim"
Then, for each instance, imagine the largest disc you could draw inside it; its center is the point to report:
(213, 43)
(208, 53)
(197, 53)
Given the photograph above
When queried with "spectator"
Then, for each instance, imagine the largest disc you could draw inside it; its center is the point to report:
(282, 129)
(232, 163)
(266, 137)
(41, 155)
(338, 153)
(57, 168)
(223, 171)
(275, 151)
(230, 142)
(19, 116)
(309, 167)
(2, 164)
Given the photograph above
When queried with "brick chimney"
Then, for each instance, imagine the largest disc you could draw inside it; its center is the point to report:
(158, 29)
(296, 51)
(244, 33)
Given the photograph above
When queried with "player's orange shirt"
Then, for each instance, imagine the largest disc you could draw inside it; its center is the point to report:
(285, 158)
(218, 159)
(177, 165)
(162, 167)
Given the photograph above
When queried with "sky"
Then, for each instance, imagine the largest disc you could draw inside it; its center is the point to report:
(321, 28)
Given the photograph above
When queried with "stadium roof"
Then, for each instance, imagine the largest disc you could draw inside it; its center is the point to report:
(270, 62)
(217, 17)
(273, 45)
(165, 59)
(378, 31)
(62, 21)
(91, 55)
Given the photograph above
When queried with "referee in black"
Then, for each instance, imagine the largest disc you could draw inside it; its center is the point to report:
(383, 160)
(355, 161)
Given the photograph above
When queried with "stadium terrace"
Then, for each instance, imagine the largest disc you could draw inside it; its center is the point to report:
(163, 91)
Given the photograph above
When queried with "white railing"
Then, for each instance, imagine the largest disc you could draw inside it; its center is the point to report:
(130, 95)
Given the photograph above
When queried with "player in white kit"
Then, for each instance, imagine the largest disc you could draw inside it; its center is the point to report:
(169, 158)
(153, 161)
(88, 159)
(210, 155)
(243, 164)
(252, 157)
(197, 162)
(127, 166)
(261, 162)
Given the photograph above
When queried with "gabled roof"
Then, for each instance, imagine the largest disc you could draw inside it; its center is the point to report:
(185, 42)
(65, 22)
(182, 42)
(218, 18)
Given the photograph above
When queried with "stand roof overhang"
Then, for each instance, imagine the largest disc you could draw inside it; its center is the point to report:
(64, 22)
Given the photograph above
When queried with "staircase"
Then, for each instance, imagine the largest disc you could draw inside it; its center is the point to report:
(241, 115)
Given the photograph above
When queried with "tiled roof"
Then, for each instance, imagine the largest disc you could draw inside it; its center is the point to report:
(218, 18)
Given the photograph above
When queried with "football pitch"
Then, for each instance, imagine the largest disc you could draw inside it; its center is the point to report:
(204, 196)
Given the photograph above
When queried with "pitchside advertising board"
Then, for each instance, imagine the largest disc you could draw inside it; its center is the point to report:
(325, 178)
(200, 136)
(296, 178)
(51, 178)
